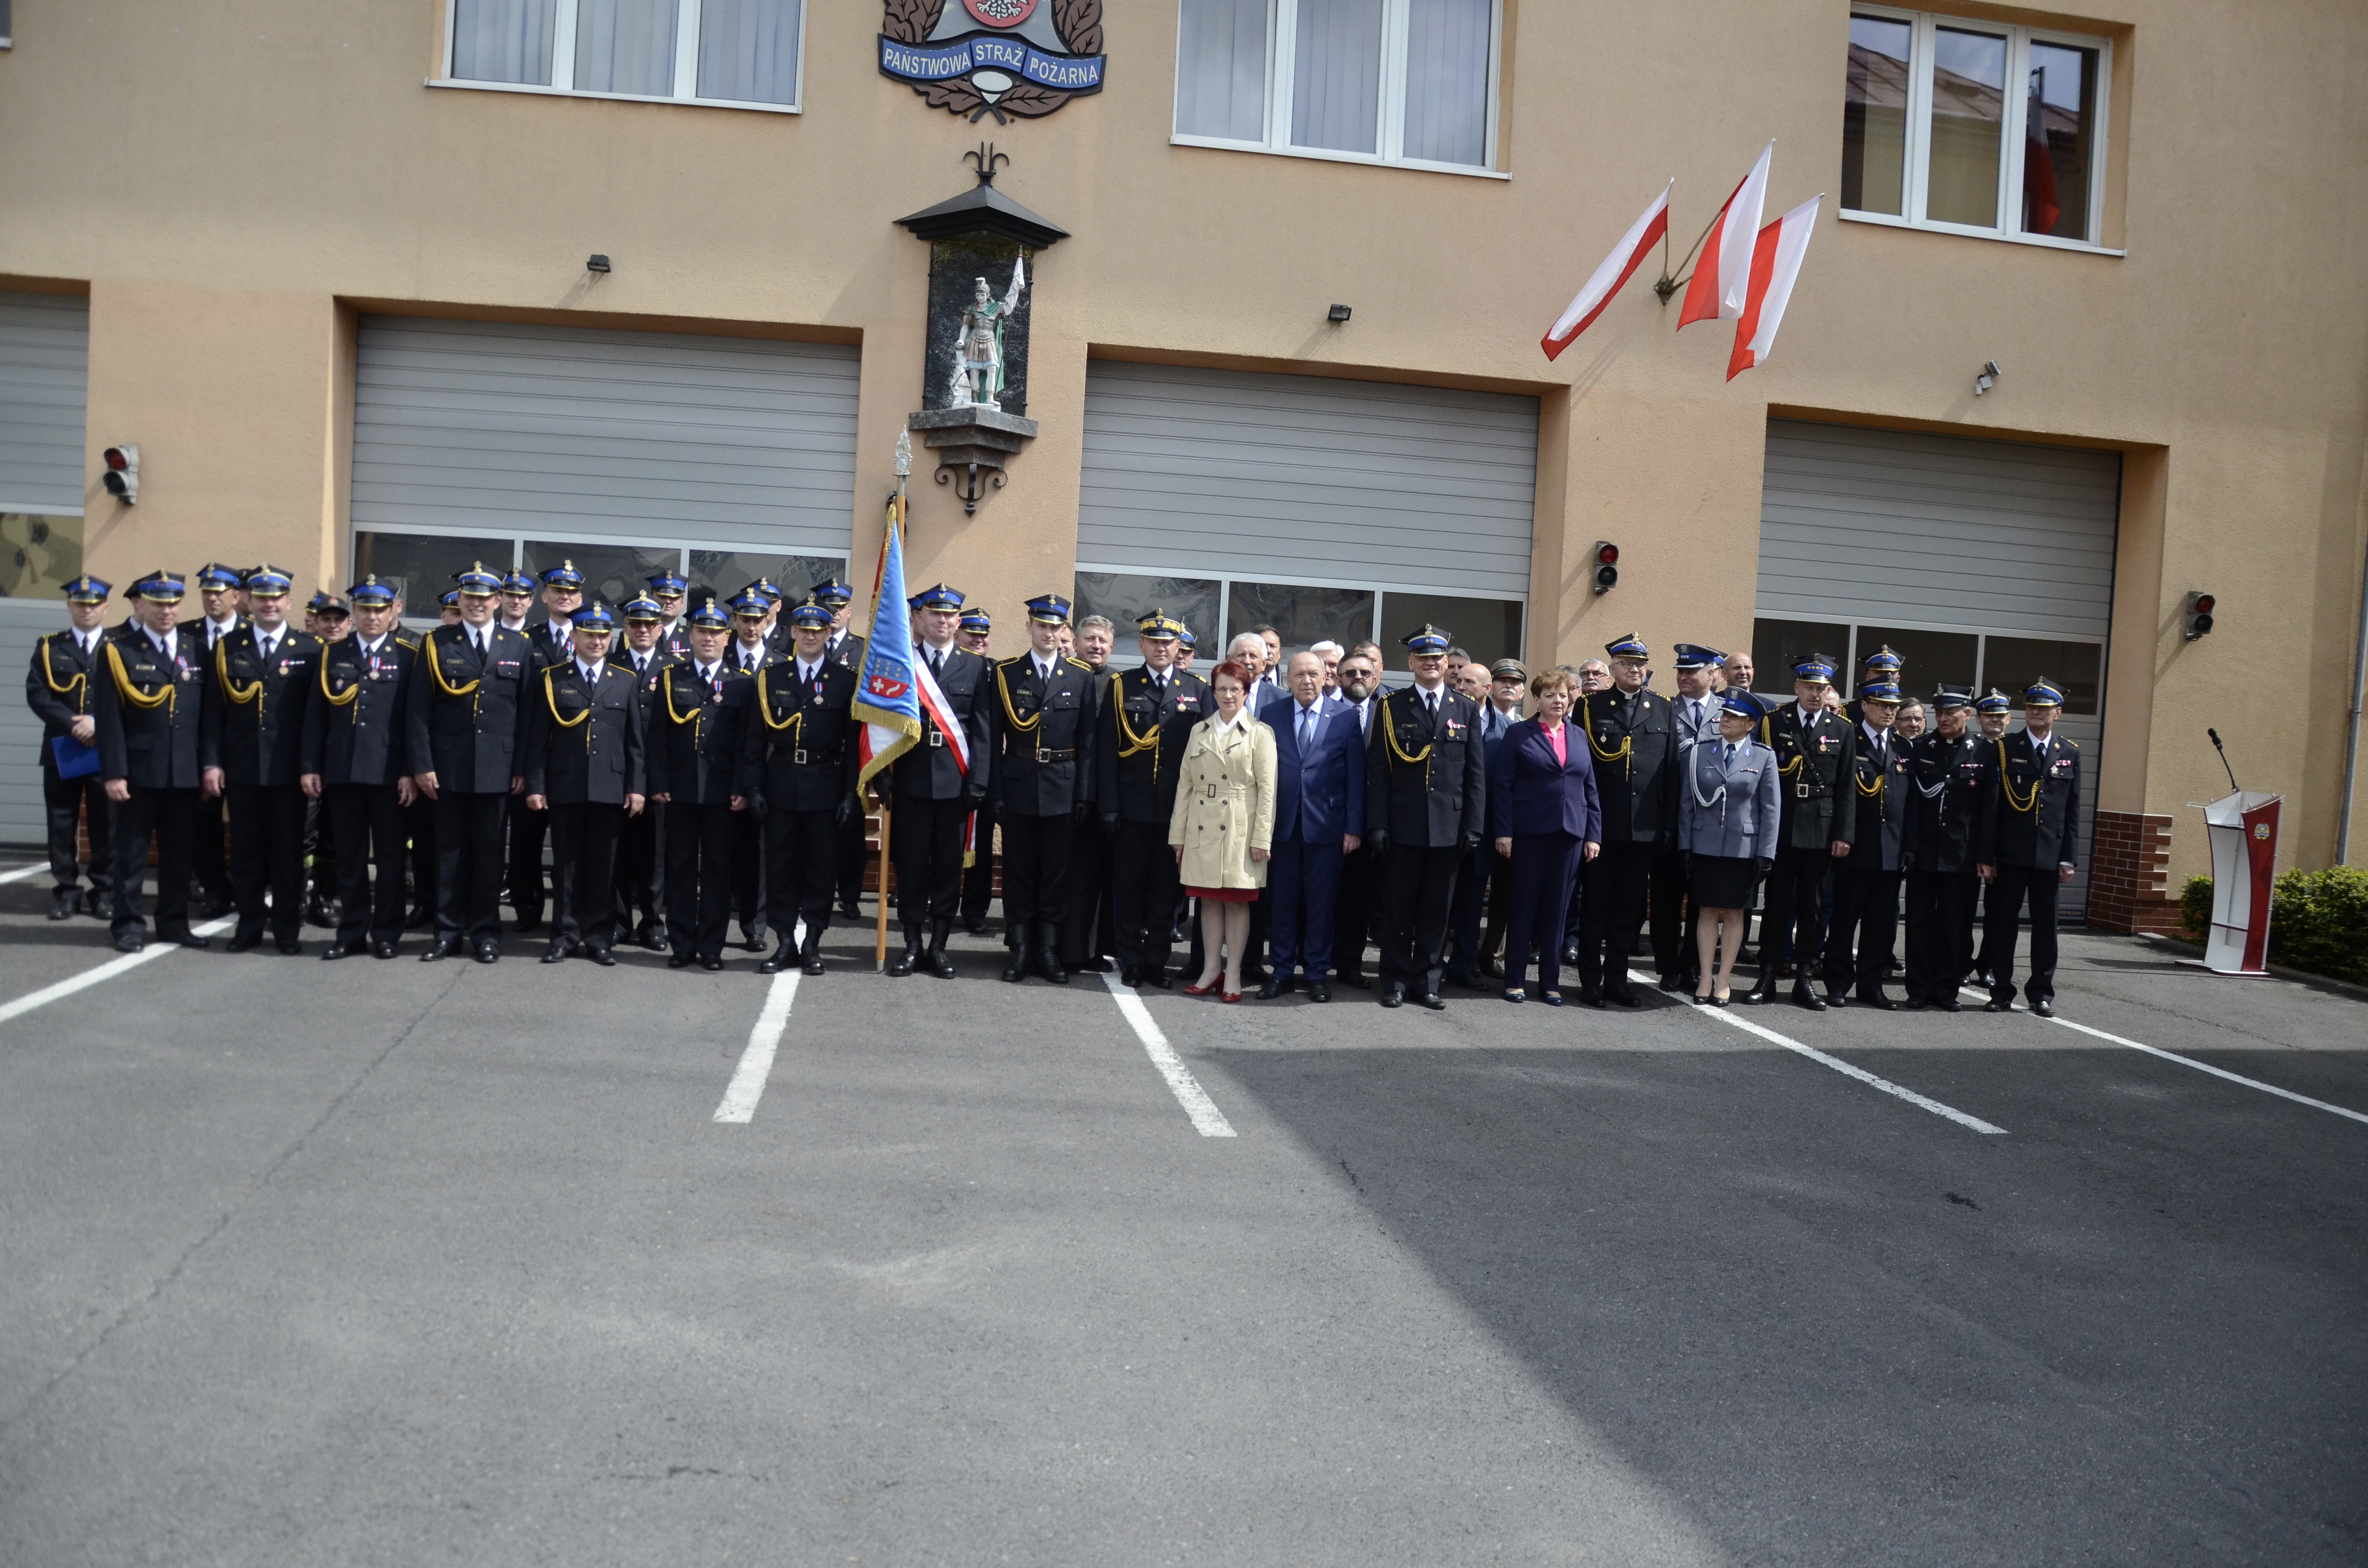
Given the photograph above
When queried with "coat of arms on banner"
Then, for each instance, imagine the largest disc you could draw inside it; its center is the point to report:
(997, 57)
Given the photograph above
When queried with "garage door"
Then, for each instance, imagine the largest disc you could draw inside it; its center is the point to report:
(724, 458)
(1323, 507)
(44, 381)
(1986, 563)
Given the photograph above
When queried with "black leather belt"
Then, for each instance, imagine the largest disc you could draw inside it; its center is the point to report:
(1045, 754)
(816, 759)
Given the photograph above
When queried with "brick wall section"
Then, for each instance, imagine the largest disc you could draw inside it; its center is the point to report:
(2129, 870)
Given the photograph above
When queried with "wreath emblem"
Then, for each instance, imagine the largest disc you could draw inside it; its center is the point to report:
(992, 71)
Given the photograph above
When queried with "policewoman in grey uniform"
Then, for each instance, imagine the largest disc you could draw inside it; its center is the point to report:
(1729, 814)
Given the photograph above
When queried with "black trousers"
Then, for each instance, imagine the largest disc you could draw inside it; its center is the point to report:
(469, 865)
(584, 874)
(1672, 913)
(641, 869)
(419, 830)
(1357, 917)
(1143, 896)
(1939, 932)
(1465, 915)
(2014, 886)
(528, 827)
(747, 867)
(1864, 931)
(853, 852)
(1796, 901)
(802, 851)
(1417, 890)
(64, 801)
(170, 816)
(267, 852)
(1036, 867)
(1612, 911)
(978, 880)
(320, 879)
(699, 875)
(208, 847)
(365, 823)
(925, 842)
(1085, 916)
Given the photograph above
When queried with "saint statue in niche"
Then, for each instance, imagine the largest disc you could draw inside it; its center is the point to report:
(978, 352)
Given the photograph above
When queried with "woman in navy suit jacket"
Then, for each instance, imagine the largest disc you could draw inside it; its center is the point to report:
(1547, 820)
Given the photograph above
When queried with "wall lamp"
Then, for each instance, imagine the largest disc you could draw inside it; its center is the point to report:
(1336, 314)
(1987, 377)
(597, 264)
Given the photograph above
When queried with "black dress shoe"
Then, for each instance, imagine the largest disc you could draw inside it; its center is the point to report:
(190, 939)
(1131, 976)
(130, 942)
(558, 953)
(1590, 996)
(215, 908)
(489, 953)
(289, 946)
(682, 961)
(1950, 1005)
(975, 925)
(2044, 1007)
(753, 941)
(1763, 993)
(382, 949)
(1464, 979)
(903, 964)
(244, 941)
(1837, 999)
(602, 957)
(419, 919)
(1318, 990)
(63, 906)
(89, 903)
(1880, 1003)
(1805, 996)
(1160, 979)
(1393, 994)
(712, 962)
(779, 958)
(1624, 997)
(1918, 1005)
(1994, 1006)
(1672, 984)
(653, 939)
(1257, 972)
(1275, 986)
(441, 948)
(1361, 981)
(810, 960)
(336, 951)
(1570, 955)
(1431, 1000)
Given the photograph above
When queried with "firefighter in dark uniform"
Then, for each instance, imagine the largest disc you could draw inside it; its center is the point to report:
(220, 591)
(1426, 808)
(1816, 759)
(148, 701)
(2030, 838)
(1880, 667)
(550, 642)
(668, 590)
(356, 734)
(1085, 918)
(1948, 784)
(641, 852)
(326, 617)
(466, 712)
(584, 765)
(1633, 735)
(59, 690)
(419, 816)
(1042, 723)
(798, 751)
(749, 650)
(251, 754)
(978, 877)
(1863, 933)
(693, 710)
(937, 784)
(1138, 748)
(841, 646)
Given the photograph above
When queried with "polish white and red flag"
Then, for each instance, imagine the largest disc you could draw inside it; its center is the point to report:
(1617, 268)
(1775, 265)
(1722, 271)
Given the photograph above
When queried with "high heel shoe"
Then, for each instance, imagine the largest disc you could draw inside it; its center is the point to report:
(1229, 995)
(1551, 998)
(1515, 994)
(1704, 999)
(1722, 999)
(1200, 990)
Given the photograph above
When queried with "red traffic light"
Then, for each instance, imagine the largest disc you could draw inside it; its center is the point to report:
(118, 459)
(1607, 565)
(2204, 604)
(122, 477)
(1606, 555)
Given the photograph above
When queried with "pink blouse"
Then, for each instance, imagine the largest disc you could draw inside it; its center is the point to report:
(1554, 738)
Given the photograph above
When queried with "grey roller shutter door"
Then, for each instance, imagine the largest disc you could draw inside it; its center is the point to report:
(22, 621)
(562, 432)
(1868, 525)
(44, 386)
(1896, 529)
(1283, 478)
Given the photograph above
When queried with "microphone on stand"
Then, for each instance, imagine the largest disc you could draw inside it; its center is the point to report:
(2224, 758)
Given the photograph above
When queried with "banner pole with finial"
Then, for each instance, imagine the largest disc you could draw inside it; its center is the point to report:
(887, 796)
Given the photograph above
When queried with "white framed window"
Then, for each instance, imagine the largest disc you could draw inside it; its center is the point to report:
(1411, 83)
(728, 53)
(1973, 127)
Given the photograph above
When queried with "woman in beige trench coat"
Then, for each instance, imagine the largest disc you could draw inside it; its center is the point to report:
(1222, 828)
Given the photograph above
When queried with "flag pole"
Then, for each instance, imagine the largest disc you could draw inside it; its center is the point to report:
(887, 812)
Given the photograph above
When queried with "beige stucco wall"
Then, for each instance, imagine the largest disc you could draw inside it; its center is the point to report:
(225, 176)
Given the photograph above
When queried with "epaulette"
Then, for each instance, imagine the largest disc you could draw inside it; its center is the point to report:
(1004, 664)
(405, 640)
(1079, 663)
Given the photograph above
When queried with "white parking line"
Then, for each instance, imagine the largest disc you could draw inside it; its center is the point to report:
(1189, 1094)
(20, 874)
(1726, 1017)
(107, 971)
(748, 1084)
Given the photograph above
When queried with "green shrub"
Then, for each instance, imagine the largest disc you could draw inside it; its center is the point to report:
(2319, 920)
(2195, 909)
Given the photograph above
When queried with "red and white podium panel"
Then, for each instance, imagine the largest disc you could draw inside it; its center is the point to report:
(2244, 829)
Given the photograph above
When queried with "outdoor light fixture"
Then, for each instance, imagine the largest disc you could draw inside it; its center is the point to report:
(122, 475)
(597, 264)
(1336, 313)
(1987, 377)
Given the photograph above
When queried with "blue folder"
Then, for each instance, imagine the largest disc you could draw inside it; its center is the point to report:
(75, 760)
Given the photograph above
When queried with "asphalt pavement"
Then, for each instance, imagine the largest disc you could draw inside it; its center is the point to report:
(400, 1263)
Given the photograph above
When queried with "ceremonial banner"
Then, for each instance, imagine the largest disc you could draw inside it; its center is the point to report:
(1617, 268)
(1723, 274)
(1775, 267)
(888, 697)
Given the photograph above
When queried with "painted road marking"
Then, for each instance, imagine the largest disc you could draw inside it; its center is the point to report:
(21, 873)
(1189, 1094)
(1726, 1017)
(748, 1084)
(2199, 1066)
(107, 971)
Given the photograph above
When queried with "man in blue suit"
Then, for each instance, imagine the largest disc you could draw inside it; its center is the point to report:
(1319, 757)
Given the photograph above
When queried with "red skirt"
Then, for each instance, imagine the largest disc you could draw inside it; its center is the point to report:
(1226, 895)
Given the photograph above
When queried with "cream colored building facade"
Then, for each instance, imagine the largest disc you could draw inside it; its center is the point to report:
(247, 195)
